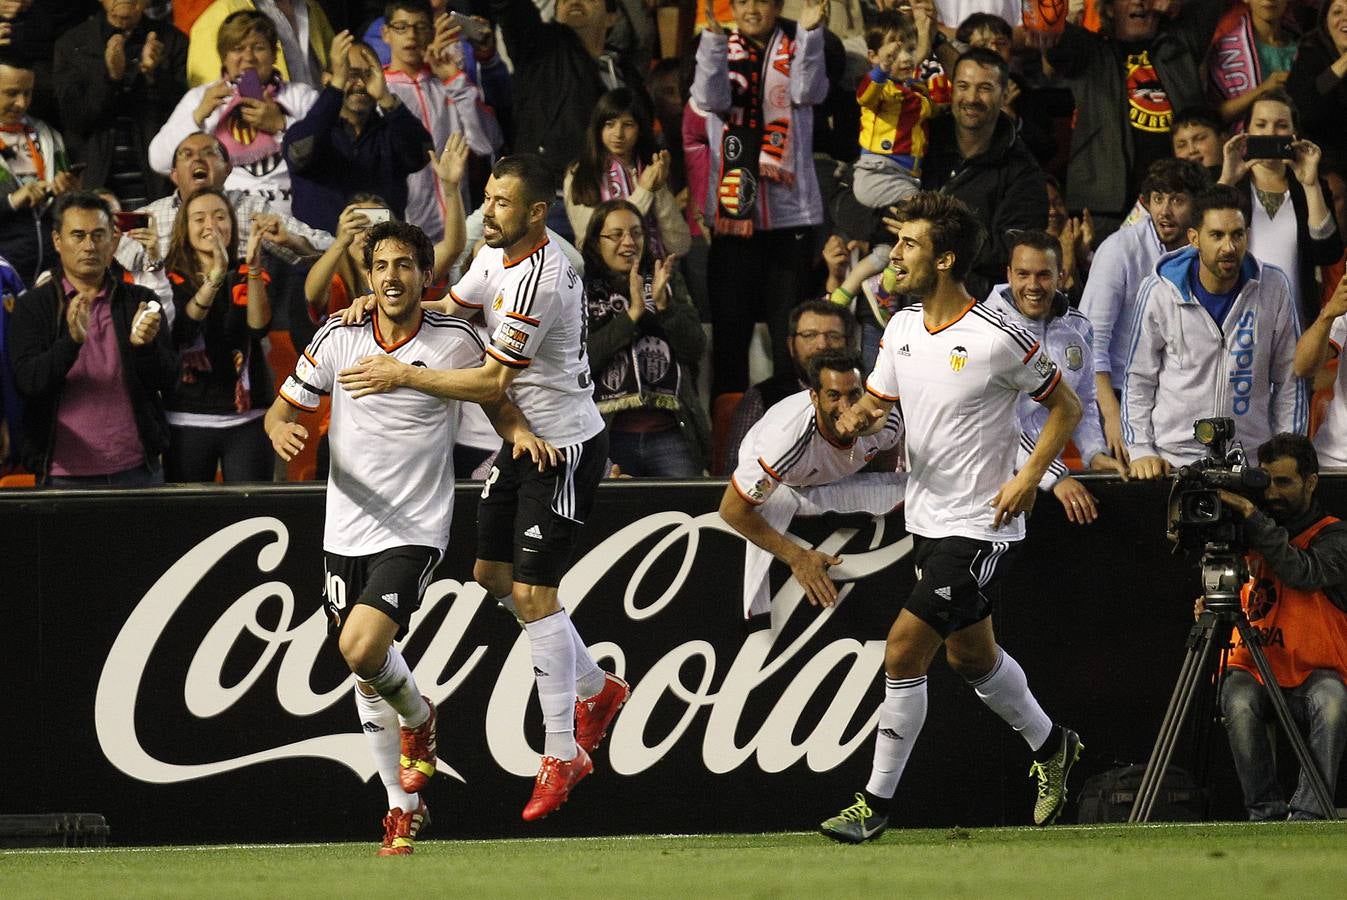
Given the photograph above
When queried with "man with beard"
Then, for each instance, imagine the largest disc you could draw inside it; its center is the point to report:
(529, 519)
(815, 326)
(1215, 335)
(1296, 598)
(344, 147)
(1128, 80)
(389, 453)
(797, 445)
(959, 370)
(975, 155)
(1120, 264)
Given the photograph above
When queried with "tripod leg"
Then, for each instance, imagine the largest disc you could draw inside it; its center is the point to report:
(1249, 635)
(1194, 664)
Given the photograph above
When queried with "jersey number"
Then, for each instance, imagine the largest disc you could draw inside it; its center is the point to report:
(335, 591)
(490, 480)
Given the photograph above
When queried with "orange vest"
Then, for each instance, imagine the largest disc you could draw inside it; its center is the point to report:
(1299, 630)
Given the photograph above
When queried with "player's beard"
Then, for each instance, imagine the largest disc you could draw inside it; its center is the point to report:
(920, 283)
(506, 238)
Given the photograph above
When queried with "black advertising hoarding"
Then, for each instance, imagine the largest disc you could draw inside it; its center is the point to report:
(168, 666)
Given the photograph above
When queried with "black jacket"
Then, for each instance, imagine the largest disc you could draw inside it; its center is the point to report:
(1320, 95)
(42, 352)
(90, 102)
(556, 83)
(1003, 185)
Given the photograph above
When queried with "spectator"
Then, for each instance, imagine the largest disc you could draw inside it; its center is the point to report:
(895, 106)
(1031, 299)
(302, 35)
(866, 288)
(33, 170)
(1298, 556)
(620, 162)
(1127, 80)
(763, 200)
(560, 70)
(118, 78)
(224, 386)
(976, 156)
(247, 110)
(1217, 336)
(644, 342)
(1076, 234)
(814, 326)
(11, 428)
(1316, 82)
(200, 160)
(143, 235)
(1296, 236)
(1323, 340)
(444, 100)
(1027, 108)
(90, 361)
(358, 138)
(1251, 54)
(955, 12)
(1197, 134)
(1124, 260)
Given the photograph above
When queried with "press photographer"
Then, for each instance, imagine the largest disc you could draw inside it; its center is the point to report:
(1296, 599)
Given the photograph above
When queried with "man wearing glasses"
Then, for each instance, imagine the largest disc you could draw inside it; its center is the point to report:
(815, 325)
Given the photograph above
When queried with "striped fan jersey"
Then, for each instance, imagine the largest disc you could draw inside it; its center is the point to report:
(534, 308)
(786, 447)
(392, 477)
(958, 385)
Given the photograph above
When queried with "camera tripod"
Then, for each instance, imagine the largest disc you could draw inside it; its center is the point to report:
(1223, 573)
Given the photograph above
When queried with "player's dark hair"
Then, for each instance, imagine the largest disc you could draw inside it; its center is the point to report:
(1275, 95)
(1035, 239)
(831, 361)
(1219, 196)
(954, 227)
(988, 59)
(1175, 176)
(886, 22)
(406, 234)
(824, 308)
(981, 20)
(1198, 115)
(532, 172)
(78, 200)
(1291, 446)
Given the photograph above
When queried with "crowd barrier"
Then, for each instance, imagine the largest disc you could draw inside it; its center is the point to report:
(167, 665)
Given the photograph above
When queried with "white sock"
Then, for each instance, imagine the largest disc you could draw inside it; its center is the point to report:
(1005, 690)
(589, 678)
(379, 722)
(395, 684)
(901, 716)
(554, 670)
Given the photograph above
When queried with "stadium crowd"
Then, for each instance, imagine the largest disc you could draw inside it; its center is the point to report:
(718, 169)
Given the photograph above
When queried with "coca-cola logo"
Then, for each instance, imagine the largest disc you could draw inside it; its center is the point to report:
(637, 742)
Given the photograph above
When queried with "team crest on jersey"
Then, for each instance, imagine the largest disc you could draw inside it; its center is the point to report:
(9, 303)
(958, 358)
(498, 302)
(1075, 357)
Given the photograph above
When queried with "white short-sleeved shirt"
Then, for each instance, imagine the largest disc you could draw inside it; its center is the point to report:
(958, 386)
(534, 309)
(1330, 441)
(392, 478)
(786, 447)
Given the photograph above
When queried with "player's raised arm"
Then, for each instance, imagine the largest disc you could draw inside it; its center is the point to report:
(809, 566)
(866, 416)
(381, 373)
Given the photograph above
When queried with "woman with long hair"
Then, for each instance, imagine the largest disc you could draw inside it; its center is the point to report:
(645, 339)
(622, 162)
(222, 313)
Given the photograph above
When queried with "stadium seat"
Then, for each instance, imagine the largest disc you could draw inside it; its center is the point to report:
(722, 411)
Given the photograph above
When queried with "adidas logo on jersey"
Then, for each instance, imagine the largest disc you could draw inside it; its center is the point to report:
(904, 351)
(534, 532)
(942, 593)
(391, 599)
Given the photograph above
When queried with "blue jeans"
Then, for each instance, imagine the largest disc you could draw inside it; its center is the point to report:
(140, 476)
(1319, 708)
(653, 454)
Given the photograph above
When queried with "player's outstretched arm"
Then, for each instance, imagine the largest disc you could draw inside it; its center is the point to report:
(809, 567)
(864, 418)
(287, 436)
(379, 374)
(510, 424)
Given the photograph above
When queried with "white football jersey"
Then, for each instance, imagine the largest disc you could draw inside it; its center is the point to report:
(958, 386)
(786, 447)
(534, 309)
(392, 477)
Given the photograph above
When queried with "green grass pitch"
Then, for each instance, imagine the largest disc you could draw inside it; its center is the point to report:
(1161, 861)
